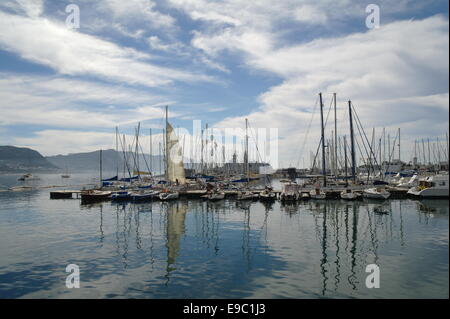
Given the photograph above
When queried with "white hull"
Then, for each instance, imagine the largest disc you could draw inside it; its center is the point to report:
(374, 194)
(317, 195)
(216, 196)
(349, 196)
(169, 196)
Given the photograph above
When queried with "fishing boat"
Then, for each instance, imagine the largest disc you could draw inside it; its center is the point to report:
(317, 193)
(267, 195)
(28, 177)
(290, 192)
(93, 195)
(376, 193)
(168, 195)
(349, 194)
(432, 186)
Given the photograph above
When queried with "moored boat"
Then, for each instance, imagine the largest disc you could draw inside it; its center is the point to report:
(376, 193)
(168, 195)
(94, 195)
(317, 193)
(432, 186)
(349, 194)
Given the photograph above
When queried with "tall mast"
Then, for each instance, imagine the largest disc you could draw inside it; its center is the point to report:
(399, 159)
(429, 153)
(345, 159)
(335, 137)
(151, 152)
(246, 150)
(352, 141)
(101, 169)
(117, 152)
(166, 168)
(324, 172)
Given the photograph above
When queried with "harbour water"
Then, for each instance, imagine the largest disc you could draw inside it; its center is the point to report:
(224, 249)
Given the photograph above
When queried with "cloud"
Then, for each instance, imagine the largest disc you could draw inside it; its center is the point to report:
(396, 75)
(69, 52)
(61, 102)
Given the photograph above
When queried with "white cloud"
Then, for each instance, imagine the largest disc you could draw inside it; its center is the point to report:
(69, 52)
(396, 75)
(310, 14)
(62, 102)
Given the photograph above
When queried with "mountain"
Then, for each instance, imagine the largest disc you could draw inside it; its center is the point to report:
(90, 161)
(21, 159)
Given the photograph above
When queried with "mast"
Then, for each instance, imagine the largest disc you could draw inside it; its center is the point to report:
(335, 137)
(352, 142)
(117, 152)
(151, 151)
(345, 160)
(399, 159)
(246, 150)
(324, 172)
(429, 153)
(166, 168)
(101, 173)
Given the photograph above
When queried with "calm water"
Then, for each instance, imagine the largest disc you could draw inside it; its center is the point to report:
(197, 249)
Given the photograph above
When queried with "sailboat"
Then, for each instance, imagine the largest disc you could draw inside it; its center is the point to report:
(175, 173)
(66, 174)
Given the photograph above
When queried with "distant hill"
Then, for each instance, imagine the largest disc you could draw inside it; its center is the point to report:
(90, 161)
(21, 159)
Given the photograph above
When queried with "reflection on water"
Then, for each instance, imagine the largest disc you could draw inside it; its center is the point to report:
(224, 249)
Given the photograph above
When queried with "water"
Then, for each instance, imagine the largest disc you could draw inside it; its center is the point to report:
(198, 249)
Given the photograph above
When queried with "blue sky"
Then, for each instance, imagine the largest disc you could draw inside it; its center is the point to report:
(64, 90)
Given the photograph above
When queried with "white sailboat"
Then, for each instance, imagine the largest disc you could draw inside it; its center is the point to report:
(349, 194)
(376, 193)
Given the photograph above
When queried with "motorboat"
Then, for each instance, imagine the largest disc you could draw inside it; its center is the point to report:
(290, 192)
(376, 193)
(349, 194)
(432, 186)
(317, 193)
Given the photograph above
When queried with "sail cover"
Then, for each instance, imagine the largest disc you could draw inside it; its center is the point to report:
(175, 165)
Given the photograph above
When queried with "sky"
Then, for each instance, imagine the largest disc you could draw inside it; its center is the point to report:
(64, 89)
